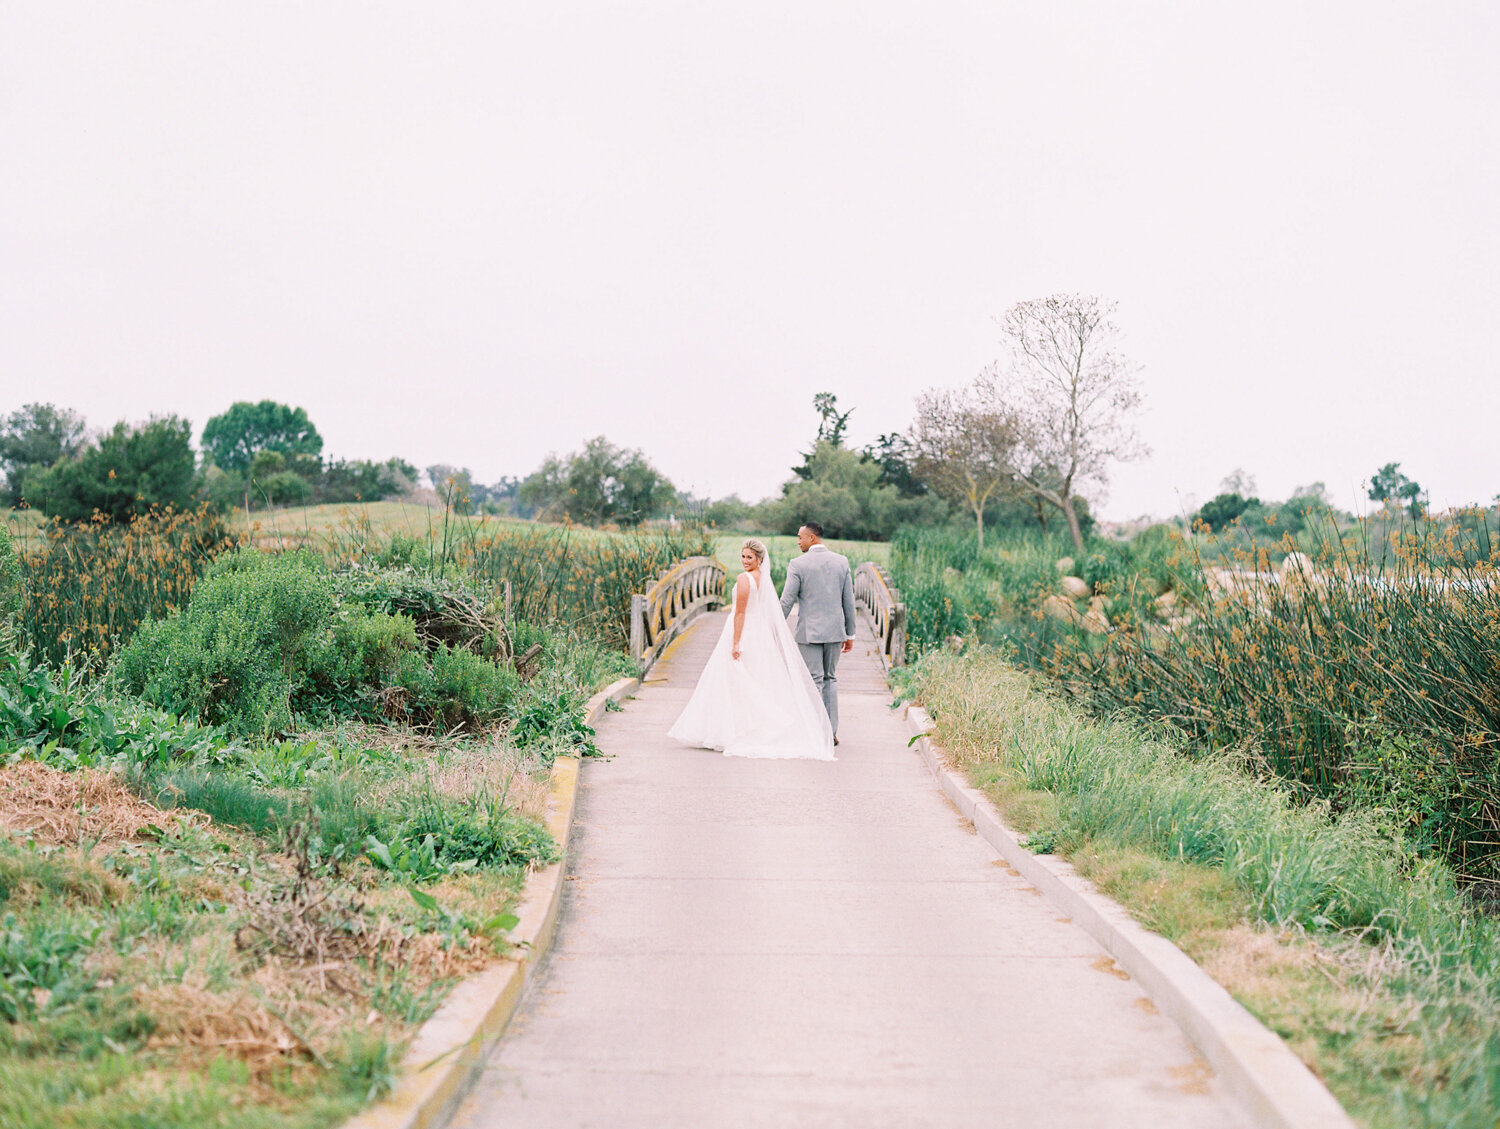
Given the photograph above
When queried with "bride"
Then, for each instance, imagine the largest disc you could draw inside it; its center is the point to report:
(755, 697)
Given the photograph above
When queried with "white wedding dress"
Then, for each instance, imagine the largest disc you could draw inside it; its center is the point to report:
(764, 704)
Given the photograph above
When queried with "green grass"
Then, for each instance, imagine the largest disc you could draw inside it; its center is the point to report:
(1361, 952)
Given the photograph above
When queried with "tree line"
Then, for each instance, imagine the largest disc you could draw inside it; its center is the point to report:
(1020, 445)
(253, 455)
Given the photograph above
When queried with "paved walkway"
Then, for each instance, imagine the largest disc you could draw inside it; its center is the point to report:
(798, 944)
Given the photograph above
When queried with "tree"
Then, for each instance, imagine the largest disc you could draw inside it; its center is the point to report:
(832, 424)
(1392, 489)
(132, 468)
(963, 445)
(455, 486)
(601, 483)
(1219, 513)
(235, 437)
(894, 455)
(33, 439)
(1070, 396)
(361, 480)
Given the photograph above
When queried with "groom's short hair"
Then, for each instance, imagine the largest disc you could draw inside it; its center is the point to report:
(814, 528)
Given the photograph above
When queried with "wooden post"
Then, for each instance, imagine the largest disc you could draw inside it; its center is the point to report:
(898, 635)
(507, 599)
(637, 627)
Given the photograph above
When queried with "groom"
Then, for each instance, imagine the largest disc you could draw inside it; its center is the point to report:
(820, 581)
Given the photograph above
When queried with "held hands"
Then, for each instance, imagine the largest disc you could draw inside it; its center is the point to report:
(848, 645)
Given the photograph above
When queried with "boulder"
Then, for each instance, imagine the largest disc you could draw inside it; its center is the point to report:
(1065, 565)
(1297, 563)
(1060, 607)
(1167, 600)
(1076, 589)
(1151, 586)
(1096, 619)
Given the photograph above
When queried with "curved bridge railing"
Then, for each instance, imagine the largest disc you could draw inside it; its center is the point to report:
(874, 592)
(680, 594)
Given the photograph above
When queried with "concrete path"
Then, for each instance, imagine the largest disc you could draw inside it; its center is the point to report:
(790, 944)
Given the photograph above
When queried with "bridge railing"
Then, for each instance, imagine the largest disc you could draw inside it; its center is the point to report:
(681, 593)
(874, 591)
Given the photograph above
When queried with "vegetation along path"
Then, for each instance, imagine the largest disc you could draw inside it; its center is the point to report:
(784, 943)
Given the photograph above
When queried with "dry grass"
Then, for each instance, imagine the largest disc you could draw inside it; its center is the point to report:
(51, 806)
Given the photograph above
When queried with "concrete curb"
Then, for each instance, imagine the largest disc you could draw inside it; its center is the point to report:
(1260, 1070)
(448, 1050)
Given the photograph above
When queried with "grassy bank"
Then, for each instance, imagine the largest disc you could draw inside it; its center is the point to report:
(1357, 949)
(246, 857)
(1360, 675)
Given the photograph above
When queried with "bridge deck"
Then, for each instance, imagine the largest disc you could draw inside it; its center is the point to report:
(791, 943)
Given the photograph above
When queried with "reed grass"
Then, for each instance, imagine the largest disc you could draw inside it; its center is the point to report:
(87, 587)
(1365, 674)
(1358, 948)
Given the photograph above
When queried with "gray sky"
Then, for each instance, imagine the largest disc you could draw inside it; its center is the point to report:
(473, 233)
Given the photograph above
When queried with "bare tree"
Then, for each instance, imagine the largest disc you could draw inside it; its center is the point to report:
(963, 446)
(1070, 395)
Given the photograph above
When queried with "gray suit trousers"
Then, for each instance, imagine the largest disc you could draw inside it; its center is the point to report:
(822, 660)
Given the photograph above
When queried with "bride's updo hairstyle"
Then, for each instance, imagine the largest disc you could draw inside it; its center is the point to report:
(757, 547)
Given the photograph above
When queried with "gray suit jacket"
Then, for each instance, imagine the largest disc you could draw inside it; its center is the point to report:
(821, 582)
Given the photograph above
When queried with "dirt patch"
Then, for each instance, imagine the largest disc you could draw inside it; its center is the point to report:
(53, 806)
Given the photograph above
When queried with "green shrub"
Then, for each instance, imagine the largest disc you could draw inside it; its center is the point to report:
(10, 591)
(265, 640)
(465, 689)
(238, 651)
(435, 835)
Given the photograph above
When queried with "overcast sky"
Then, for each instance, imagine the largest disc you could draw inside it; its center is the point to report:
(475, 233)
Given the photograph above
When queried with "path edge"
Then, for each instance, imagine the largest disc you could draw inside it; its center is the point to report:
(448, 1050)
(1259, 1069)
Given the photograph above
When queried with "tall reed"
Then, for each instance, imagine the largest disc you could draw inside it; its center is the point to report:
(1367, 672)
(87, 587)
(582, 579)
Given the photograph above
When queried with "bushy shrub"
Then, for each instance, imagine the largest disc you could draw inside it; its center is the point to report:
(267, 638)
(452, 687)
(10, 592)
(235, 655)
(445, 609)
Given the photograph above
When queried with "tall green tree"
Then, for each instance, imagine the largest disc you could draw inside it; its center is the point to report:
(1391, 488)
(235, 437)
(601, 483)
(132, 468)
(832, 424)
(33, 439)
(845, 494)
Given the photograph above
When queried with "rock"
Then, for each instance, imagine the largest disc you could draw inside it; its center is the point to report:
(952, 573)
(1151, 585)
(1065, 565)
(1167, 600)
(955, 643)
(1075, 588)
(1297, 563)
(1060, 607)
(1095, 620)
